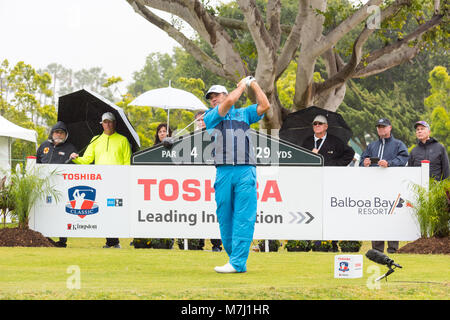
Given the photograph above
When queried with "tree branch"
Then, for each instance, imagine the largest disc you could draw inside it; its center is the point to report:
(395, 53)
(263, 42)
(344, 27)
(191, 47)
(193, 12)
(273, 16)
(345, 73)
(293, 41)
(311, 33)
(235, 24)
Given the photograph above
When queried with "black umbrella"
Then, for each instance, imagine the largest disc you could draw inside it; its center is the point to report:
(82, 111)
(298, 125)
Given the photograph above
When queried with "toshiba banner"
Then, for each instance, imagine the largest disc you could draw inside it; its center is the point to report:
(93, 202)
(165, 201)
(178, 201)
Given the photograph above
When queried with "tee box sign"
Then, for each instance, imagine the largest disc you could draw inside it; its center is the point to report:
(197, 148)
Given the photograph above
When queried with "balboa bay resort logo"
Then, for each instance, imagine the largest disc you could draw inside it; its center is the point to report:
(374, 206)
(81, 201)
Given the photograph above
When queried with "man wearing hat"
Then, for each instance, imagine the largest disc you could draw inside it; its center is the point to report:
(430, 149)
(56, 150)
(385, 152)
(110, 148)
(235, 161)
(334, 151)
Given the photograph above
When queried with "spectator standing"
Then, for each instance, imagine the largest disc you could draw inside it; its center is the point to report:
(56, 150)
(334, 151)
(428, 148)
(109, 148)
(385, 152)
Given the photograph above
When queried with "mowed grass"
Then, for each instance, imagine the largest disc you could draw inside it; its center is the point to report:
(128, 273)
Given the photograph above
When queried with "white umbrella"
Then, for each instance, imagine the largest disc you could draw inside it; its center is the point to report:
(169, 98)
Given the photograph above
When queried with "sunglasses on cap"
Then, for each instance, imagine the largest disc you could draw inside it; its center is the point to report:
(317, 123)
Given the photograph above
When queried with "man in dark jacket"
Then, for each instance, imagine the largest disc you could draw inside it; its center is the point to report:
(385, 152)
(56, 150)
(334, 151)
(430, 149)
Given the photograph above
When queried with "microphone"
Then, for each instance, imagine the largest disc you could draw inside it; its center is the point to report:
(381, 258)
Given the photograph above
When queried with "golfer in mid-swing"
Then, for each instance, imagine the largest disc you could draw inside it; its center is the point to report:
(235, 184)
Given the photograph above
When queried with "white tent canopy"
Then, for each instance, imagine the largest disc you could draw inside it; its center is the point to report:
(8, 131)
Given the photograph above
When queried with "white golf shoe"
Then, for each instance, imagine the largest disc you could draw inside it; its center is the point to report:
(228, 268)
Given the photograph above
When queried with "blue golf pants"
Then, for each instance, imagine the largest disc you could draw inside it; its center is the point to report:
(235, 194)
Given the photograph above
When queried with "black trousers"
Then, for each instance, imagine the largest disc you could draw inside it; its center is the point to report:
(379, 245)
(216, 243)
(112, 241)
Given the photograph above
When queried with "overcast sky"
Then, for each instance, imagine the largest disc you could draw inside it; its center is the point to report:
(79, 34)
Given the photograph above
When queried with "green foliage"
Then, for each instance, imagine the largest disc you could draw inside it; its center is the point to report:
(6, 201)
(65, 80)
(193, 244)
(350, 246)
(27, 188)
(298, 245)
(440, 127)
(155, 243)
(440, 89)
(23, 96)
(156, 73)
(273, 245)
(336, 12)
(432, 208)
(361, 109)
(286, 86)
(194, 86)
(322, 245)
(438, 105)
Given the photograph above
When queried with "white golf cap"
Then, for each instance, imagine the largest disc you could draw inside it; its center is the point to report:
(320, 118)
(108, 116)
(216, 89)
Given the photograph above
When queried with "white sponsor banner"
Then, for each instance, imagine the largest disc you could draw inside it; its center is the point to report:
(94, 202)
(370, 203)
(310, 203)
(289, 203)
(179, 201)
